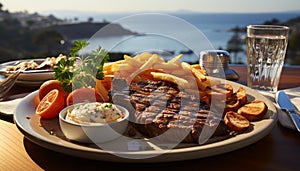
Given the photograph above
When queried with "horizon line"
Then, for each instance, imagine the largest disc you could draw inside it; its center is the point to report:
(162, 11)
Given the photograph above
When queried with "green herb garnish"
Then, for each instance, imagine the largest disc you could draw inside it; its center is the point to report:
(76, 72)
(108, 105)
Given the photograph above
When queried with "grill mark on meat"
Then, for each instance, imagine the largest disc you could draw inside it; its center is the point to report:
(161, 108)
(146, 117)
(155, 109)
(140, 106)
(137, 98)
(175, 106)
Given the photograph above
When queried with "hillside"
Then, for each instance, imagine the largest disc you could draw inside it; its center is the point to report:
(83, 30)
(26, 35)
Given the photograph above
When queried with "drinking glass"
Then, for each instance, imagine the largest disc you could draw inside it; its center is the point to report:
(266, 49)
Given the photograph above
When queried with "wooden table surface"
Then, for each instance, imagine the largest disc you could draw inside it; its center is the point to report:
(279, 150)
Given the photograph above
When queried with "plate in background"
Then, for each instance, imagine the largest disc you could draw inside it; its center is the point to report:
(30, 77)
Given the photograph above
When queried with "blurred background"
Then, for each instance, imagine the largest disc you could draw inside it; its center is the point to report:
(39, 29)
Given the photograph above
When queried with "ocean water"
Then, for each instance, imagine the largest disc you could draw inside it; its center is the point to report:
(174, 33)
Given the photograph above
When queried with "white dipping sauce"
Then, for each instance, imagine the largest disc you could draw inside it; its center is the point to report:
(91, 113)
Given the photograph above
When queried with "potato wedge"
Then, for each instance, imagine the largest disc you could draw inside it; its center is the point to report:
(220, 91)
(254, 111)
(241, 95)
(236, 122)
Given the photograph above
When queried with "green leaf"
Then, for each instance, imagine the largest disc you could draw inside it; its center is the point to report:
(78, 46)
(90, 67)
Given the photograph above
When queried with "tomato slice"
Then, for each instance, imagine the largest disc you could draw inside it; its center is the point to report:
(51, 104)
(84, 95)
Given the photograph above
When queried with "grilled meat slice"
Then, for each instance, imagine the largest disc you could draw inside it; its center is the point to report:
(161, 110)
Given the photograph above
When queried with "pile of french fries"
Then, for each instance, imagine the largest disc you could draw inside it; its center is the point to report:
(146, 66)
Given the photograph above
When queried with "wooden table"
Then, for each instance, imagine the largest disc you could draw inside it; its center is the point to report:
(279, 150)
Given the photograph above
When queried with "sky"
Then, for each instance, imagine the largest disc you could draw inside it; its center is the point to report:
(236, 6)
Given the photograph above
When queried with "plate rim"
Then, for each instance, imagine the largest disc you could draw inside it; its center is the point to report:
(177, 154)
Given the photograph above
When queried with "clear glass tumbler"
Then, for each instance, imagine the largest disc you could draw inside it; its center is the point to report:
(266, 49)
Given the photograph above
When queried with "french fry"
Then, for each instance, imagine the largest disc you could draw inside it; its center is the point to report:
(166, 66)
(175, 59)
(133, 62)
(143, 56)
(196, 66)
(147, 65)
(133, 68)
(186, 66)
(171, 78)
(126, 56)
(180, 73)
(117, 67)
(197, 73)
(202, 85)
(108, 67)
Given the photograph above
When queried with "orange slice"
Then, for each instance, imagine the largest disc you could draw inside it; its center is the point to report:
(51, 104)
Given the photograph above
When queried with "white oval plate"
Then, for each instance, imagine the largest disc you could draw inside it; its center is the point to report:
(30, 77)
(33, 130)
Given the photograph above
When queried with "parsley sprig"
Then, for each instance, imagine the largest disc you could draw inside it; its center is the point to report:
(75, 72)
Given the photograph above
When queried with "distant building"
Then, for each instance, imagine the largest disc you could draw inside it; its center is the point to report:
(32, 21)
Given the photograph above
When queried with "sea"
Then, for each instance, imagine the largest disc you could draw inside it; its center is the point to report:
(170, 34)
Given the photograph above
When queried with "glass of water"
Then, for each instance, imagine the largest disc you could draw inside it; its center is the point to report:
(266, 49)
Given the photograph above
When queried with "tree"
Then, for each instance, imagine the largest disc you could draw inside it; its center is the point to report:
(293, 49)
(294, 42)
(274, 21)
(49, 39)
(234, 45)
(90, 19)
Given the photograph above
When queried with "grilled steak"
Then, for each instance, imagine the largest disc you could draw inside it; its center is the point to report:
(160, 109)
